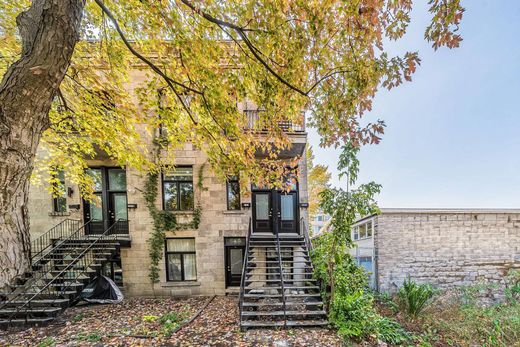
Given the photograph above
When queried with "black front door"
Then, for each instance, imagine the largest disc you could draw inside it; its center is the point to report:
(110, 203)
(263, 211)
(287, 212)
(275, 211)
(234, 259)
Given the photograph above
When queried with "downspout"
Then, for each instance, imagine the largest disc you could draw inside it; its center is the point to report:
(376, 252)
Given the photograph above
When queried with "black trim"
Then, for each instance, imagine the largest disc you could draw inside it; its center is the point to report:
(178, 189)
(166, 253)
(55, 199)
(228, 182)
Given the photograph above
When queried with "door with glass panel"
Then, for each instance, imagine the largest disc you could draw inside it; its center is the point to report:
(110, 201)
(234, 259)
(275, 211)
(263, 211)
(287, 211)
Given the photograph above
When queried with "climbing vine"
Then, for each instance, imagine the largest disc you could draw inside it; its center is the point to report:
(163, 221)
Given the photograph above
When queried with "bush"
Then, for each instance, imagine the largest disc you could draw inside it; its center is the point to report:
(413, 297)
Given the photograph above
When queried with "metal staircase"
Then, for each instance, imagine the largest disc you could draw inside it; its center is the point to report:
(63, 263)
(277, 288)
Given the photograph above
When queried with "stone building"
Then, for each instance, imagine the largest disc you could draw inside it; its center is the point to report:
(202, 261)
(444, 247)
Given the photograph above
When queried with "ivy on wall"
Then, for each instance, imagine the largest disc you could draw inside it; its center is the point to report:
(163, 221)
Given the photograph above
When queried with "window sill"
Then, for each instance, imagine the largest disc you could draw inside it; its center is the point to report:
(233, 212)
(59, 214)
(181, 284)
(181, 213)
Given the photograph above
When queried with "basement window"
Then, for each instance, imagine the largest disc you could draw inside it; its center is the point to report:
(180, 259)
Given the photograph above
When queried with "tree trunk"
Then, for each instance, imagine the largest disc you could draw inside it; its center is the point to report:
(49, 30)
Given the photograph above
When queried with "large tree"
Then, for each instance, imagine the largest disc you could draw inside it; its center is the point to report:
(65, 66)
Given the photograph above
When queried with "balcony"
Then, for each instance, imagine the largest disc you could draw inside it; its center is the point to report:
(253, 117)
(295, 131)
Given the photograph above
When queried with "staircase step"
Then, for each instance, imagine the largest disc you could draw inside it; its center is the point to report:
(39, 302)
(4, 323)
(282, 313)
(262, 295)
(286, 288)
(26, 310)
(287, 303)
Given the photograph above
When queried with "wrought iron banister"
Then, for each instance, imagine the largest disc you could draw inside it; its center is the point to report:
(243, 279)
(282, 281)
(253, 119)
(46, 240)
(85, 260)
(45, 263)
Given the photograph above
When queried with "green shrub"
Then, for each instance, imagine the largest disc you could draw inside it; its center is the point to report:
(47, 342)
(390, 331)
(413, 297)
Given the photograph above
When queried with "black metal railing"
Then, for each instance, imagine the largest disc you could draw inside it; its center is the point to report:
(72, 265)
(45, 241)
(43, 266)
(253, 120)
(243, 279)
(282, 281)
(309, 270)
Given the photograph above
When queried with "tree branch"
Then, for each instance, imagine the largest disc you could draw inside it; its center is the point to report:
(242, 33)
(137, 54)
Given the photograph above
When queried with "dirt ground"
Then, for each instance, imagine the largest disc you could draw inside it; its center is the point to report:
(137, 322)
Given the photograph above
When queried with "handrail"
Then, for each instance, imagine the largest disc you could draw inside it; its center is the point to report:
(46, 268)
(60, 230)
(65, 270)
(308, 242)
(281, 280)
(58, 244)
(242, 280)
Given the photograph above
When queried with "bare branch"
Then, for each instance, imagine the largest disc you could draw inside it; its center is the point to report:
(137, 54)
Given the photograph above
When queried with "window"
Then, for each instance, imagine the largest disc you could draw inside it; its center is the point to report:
(180, 259)
(319, 218)
(59, 200)
(355, 233)
(178, 189)
(362, 231)
(233, 193)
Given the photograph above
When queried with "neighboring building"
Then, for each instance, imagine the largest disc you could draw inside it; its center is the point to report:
(318, 222)
(444, 247)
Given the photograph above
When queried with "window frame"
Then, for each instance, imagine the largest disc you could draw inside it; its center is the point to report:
(55, 199)
(363, 231)
(234, 179)
(166, 253)
(178, 189)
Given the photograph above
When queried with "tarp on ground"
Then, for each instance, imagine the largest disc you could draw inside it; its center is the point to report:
(102, 290)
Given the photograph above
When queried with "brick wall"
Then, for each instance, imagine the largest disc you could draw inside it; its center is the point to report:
(446, 249)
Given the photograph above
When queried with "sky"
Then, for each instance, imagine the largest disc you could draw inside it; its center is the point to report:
(453, 133)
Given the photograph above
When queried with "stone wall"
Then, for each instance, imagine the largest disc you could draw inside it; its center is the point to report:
(446, 249)
(216, 223)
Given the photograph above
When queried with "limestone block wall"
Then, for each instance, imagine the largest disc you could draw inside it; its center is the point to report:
(40, 206)
(446, 249)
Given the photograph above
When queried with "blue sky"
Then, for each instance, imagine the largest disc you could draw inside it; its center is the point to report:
(453, 133)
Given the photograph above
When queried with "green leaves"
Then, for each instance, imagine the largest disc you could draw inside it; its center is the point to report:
(414, 297)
